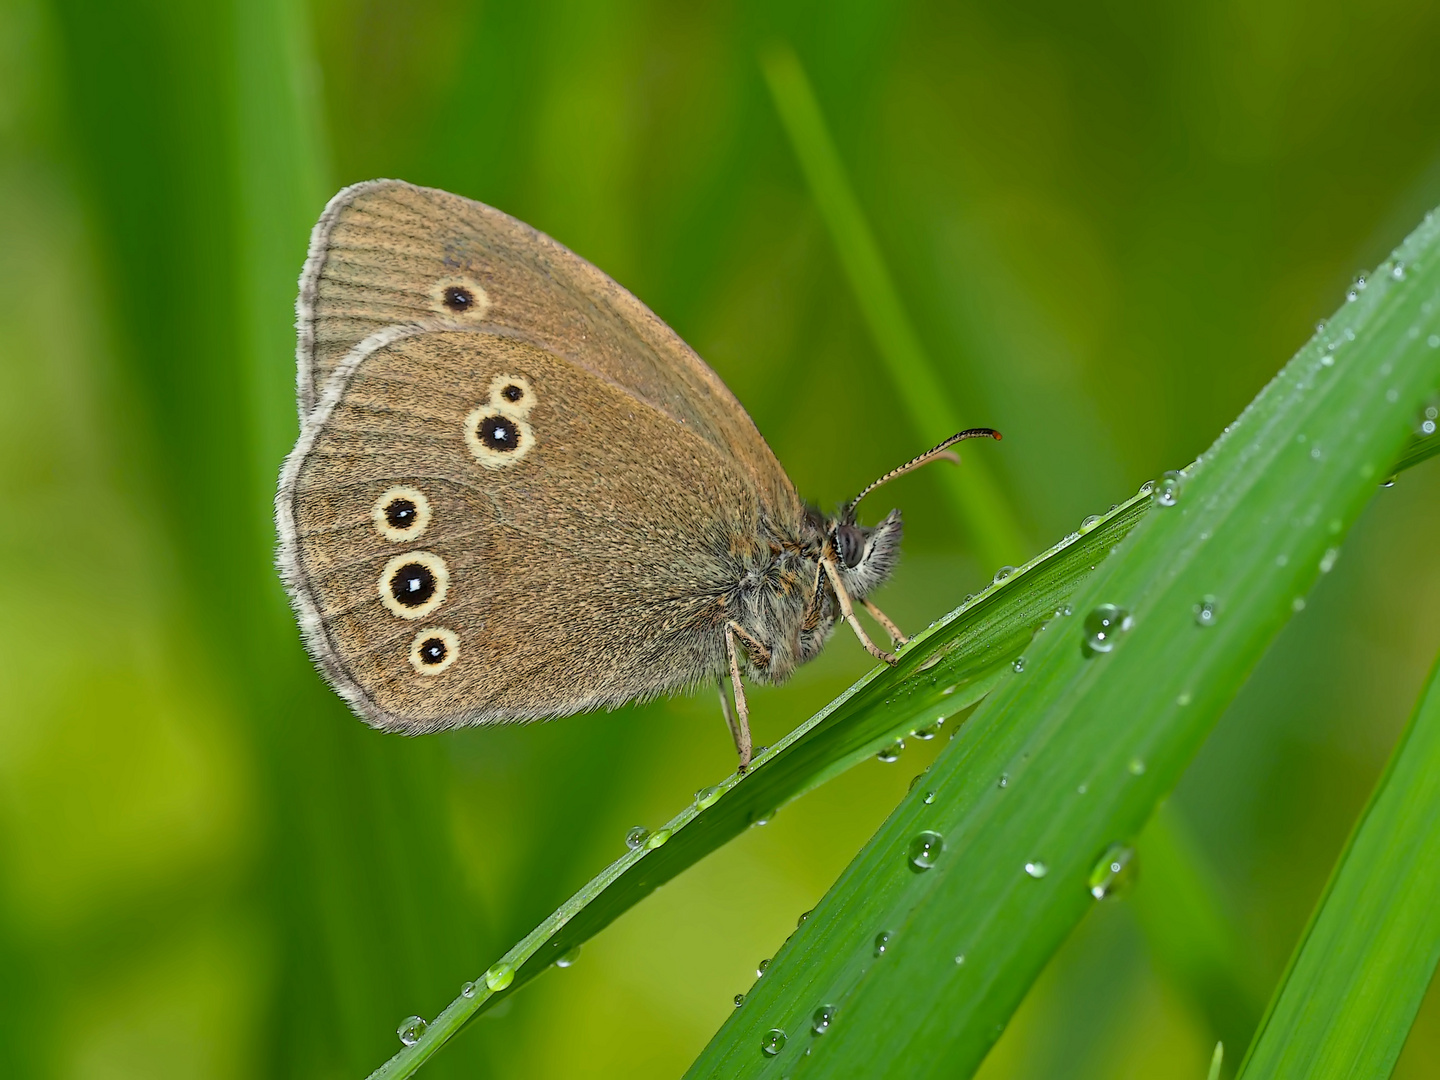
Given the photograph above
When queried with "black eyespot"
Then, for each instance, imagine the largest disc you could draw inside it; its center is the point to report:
(851, 542)
(512, 393)
(498, 432)
(412, 584)
(433, 651)
(458, 298)
(401, 513)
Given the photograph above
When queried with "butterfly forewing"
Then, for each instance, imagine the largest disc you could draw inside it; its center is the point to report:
(388, 254)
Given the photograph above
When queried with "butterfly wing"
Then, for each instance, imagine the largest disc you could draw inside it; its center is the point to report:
(388, 254)
(477, 530)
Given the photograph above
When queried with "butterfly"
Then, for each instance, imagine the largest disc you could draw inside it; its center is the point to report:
(517, 494)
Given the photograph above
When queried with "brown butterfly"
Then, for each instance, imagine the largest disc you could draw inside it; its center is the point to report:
(517, 494)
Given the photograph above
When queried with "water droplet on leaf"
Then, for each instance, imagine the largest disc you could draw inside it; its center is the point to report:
(1206, 611)
(568, 957)
(1036, 869)
(1113, 873)
(882, 942)
(1102, 626)
(636, 837)
(773, 1042)
(499, 977)
(925, 849)
(410, 1030)
(822, 1018)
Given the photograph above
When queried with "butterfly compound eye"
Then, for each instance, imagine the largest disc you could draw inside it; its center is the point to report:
(851, 543)
(401, 513)
(414, 584)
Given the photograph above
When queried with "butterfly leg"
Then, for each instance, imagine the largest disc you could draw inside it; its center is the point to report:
(884, 620)
(739, 722)
(848, 611)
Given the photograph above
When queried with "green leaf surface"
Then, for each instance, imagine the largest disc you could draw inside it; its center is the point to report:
(940, 673)
(1069, 758)
(1361, 969)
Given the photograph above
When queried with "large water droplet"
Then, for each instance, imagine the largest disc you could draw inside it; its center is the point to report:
(822, 1018)
(928, 732)
(1102, 626)
(892, 752)
(803, 916)
(410, 1030)
(929, 798)
(760, 967)
(1167, 492)
(1089, 523)
(1113, 873)
(882, 942)
(773, 1042)
(1036, 869)
(739, 1000)
(925, 849)
(468, 990)
(657, 838)
(499, 977)
(636, 837)
(568, 957)
(763, 817)
(1003, 573)
(1206, 611)
(706, 796)
(1018, 664)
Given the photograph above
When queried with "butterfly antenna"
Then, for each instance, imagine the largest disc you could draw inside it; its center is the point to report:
(933, 454)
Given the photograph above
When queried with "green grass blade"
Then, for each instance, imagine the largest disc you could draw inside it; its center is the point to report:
(979, 501)
(1216, 1060)
(941, 672)
(1362, 967)
(1087, 745)
(1418, 450)
(944, 670)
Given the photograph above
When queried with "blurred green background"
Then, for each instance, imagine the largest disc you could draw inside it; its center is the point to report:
(1111, 223)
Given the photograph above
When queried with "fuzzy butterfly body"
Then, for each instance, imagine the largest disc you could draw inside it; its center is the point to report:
(517, 494)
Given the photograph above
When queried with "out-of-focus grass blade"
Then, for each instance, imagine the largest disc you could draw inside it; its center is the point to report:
(941, 672)
(1192, 938)
(907, 971)
(979, 502)
(1216, 1060)
(1357, 977)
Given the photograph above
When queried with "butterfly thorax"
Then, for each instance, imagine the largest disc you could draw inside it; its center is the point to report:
(782, 604)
